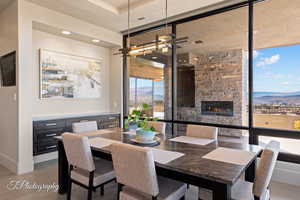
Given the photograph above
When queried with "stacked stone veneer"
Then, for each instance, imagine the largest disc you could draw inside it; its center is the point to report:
(219, 76)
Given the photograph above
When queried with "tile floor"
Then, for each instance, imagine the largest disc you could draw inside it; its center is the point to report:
(47, 174)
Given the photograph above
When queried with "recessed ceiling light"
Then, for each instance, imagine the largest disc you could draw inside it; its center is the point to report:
(66, 32)
(141, 18)
(95, 40)
(154, 57)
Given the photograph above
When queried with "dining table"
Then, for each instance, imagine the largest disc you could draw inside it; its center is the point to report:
(193, 165)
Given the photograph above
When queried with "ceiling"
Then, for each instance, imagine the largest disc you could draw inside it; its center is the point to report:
(4, 4)
(112, 14)
(227, 31)
(74, 36)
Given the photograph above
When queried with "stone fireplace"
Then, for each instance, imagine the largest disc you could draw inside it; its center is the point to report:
(217, 108)
(220, 91)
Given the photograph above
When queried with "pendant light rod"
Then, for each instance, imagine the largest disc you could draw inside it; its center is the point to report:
(128, 24)
(166, 14)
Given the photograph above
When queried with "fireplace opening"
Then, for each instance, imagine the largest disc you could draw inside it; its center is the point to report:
(220, 108)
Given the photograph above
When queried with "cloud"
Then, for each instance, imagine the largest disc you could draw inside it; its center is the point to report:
(285, 83)
(255, 54)
(270, 75)
(268, 61)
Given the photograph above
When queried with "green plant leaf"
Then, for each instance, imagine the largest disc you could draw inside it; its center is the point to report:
(146, 106)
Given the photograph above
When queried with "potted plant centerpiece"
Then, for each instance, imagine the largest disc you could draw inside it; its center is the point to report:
(139, 121)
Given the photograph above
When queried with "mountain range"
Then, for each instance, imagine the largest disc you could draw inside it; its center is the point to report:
(278, 94)
(258, 97)
(276, 98)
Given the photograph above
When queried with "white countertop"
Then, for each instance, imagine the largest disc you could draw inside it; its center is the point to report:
(62, 116)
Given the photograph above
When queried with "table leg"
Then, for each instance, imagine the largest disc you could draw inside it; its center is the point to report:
(63, 166)
(222, 192)
(250, 172)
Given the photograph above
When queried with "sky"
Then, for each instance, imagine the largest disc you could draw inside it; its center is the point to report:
(277, 69)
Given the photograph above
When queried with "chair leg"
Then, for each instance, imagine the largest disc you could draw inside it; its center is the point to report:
(102, 190)
(69, 183)
(90, 192)
(91, 182)
(119, 190)
(69, 189)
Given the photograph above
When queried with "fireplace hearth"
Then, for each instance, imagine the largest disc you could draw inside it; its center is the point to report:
(219, 108)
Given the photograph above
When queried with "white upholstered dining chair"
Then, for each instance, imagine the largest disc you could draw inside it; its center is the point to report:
(160, 127)
(198, 131)
(243, 190)
(136, 175)
(82, 127)
(83, 169)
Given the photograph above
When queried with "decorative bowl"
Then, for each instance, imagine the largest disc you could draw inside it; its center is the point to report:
(145, 136)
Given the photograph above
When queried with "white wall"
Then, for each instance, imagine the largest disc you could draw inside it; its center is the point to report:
(42, 40)
(27, 91)
(116, 81)
(8, 102)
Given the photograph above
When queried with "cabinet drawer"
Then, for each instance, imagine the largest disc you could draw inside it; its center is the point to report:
(108, 125)
(111, 118)
(51, 124)
(46, 135)
(47, 148)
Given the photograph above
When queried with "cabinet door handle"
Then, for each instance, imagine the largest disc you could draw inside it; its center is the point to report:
(51, 147)
(51, 135)
(51, 124)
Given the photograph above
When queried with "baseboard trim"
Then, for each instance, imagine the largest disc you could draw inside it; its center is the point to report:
(8, 163)
(288, 173)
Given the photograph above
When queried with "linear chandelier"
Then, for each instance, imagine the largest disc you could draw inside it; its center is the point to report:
(160, 43)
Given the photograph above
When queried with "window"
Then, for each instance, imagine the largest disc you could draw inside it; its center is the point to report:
(277, 87)
(276, 97)
(289, 146)
(141, 92)
(211, 82)
(212, 71)
(150, 75)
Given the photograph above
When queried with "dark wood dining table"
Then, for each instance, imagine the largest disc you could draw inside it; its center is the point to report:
(191, 168)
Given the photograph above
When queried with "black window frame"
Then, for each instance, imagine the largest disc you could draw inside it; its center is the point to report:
(254, 132)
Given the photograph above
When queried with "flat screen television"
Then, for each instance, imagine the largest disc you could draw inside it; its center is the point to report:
(8, 70)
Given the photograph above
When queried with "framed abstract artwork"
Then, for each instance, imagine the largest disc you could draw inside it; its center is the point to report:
(67, 76)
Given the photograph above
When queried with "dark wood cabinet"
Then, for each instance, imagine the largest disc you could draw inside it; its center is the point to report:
(44, 131)
(185, 86)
